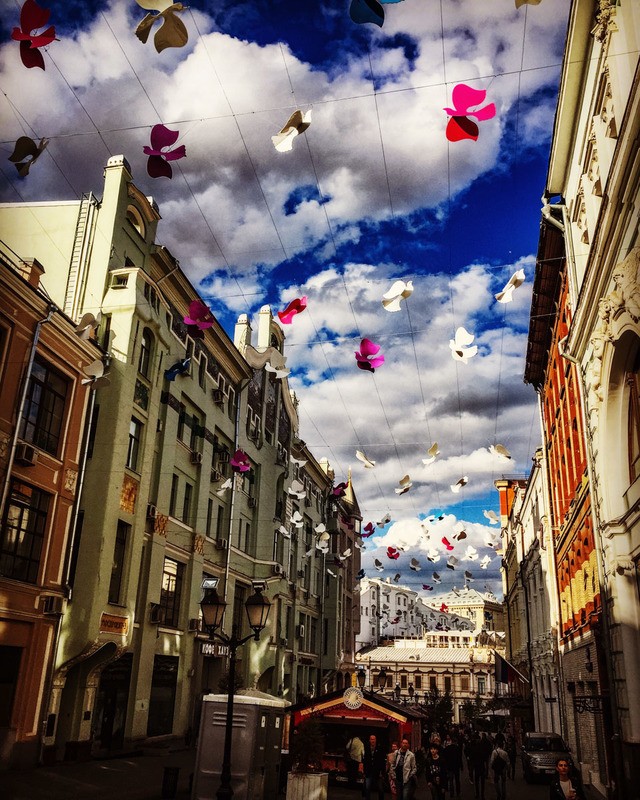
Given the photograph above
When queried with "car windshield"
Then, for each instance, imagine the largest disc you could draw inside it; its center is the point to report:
(540, 744)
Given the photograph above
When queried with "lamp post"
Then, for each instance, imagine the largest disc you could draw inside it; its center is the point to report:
(213, 608)
(382, 679)
(361, 677)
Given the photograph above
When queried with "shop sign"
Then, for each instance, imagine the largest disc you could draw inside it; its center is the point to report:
(214, 649)
(109, 623)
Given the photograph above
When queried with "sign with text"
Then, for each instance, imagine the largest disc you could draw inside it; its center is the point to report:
(109, 623)
(213, 649)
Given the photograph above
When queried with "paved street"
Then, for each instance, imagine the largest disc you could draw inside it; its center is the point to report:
(140, 778)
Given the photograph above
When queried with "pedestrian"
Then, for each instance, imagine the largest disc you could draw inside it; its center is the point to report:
(566, 784)
(374, 764)
(498, 764)
(405, 772)
(452, 758)
(475, 761)
(487, 748)
(436, 773)
(354, 753)
(391, 774)
(510, 747)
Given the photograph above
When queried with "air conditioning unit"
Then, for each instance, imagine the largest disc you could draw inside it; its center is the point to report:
(156, 614)
(216, 476)
(300, 631)
(222, 544)
(217, 395)
(196, 458)
(26, 455)
(252, 502)
(277, 569)
(152, 511)
(52, 604)
(194, 625)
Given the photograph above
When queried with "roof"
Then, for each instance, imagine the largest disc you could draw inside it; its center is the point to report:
(463, 597)
(330, 704)
(422, 655)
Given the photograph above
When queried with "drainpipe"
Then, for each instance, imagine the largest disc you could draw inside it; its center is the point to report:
(25, 386)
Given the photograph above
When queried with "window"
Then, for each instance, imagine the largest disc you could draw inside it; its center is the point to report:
(219, 522)
(170, 591)
(202, 372)
(146, 346)
(417, 681)
(92, 430)
(186, 506)
(135, 218)
(433, 683)
(117, 568)
(464, 683)
(482, 684)
(133, 450)
(195, 433)
(239, 613)
(209, 516)
(44, 408)
(173, 500)
(181, 421)
(447, 684)
(633, 425)
(23, 532)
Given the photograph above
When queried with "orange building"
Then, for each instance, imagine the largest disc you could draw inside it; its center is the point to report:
(43, 412)
(556, 378)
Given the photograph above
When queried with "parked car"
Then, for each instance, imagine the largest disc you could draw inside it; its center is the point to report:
(540, 751)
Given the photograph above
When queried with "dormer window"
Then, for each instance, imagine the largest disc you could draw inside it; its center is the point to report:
(135, 218)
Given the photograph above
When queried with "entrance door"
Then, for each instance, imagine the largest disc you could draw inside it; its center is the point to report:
(111, 703)
(10, 658)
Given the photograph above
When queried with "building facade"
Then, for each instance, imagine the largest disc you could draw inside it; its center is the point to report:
(163, 507)
(45, 402)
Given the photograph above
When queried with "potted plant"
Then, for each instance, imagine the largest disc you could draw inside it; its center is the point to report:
(307, 781)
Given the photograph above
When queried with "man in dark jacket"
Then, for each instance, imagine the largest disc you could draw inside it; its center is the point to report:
(452, 758)
(476, 764)
(566, 785)
(374, 763)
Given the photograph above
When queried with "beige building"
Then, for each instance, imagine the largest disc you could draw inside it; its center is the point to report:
(162, 507)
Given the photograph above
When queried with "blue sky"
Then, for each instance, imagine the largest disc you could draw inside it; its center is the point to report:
(370, 193)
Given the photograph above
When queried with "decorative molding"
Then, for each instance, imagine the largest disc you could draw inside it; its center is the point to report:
(605, 20)
(70, 480)
(4, 445)
(160, 525)
(198, 544)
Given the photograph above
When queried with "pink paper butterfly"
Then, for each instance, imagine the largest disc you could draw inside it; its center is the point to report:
(199, 315)
(32, 17)
(447, 543)
(427, 587)
(240, 461)
(365, 357)
(369, 528)
(339, 490)
(460, 126)
(296, 306)
(157, 165)
(393, 553)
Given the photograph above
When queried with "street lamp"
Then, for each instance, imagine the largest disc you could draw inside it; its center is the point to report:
(213, 608)
(382, 678)
(411, 691)
(398, 691)
(361, 677)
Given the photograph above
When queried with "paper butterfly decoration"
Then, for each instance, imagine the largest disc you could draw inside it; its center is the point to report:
(87, 326)
(404, 485)
(414, 564)
(460, 350)
(362, 11)
(444, 607)
(179, 368)
(433, 452)
(455, 487)
(378, 565)
(95, 374)
(470, 554)
(460, 536)
(294, 126)
(491, 516)
(359, 545)
(399, 291)
(501, 451)
(486, 560)
(369, 464)
(298, 520)
(451, 563)
(279, 373)
(32, 17)
(491, 543)
(396, 577)
(464, 98)
(516, 280)
(384, 521)
(392, 553)
(299, 462)
(297, 490)
(427, 588)
(225, 487)
(340, 490)
(436, 578)
(367, 357)
(447, 543)
(199, 315)
(284, 532)
(346, 554)
(240, 462)
(25, 154)
(360, 575)
(331, 574)
(320, 528)
(527, 2)
(433, 555)
(433, 518)
(369, 529)
(158, 162)
(296, 306)
(171, 33)
(468, 576)
(395, 621)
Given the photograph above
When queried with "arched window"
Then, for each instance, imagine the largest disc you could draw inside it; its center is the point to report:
(135, 218)
(633, 422)
(146, 347)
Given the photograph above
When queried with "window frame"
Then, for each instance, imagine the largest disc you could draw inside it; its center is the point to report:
(32, 430)
(171, 591)
(134, 444)
(123, 535)
(24, 535)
